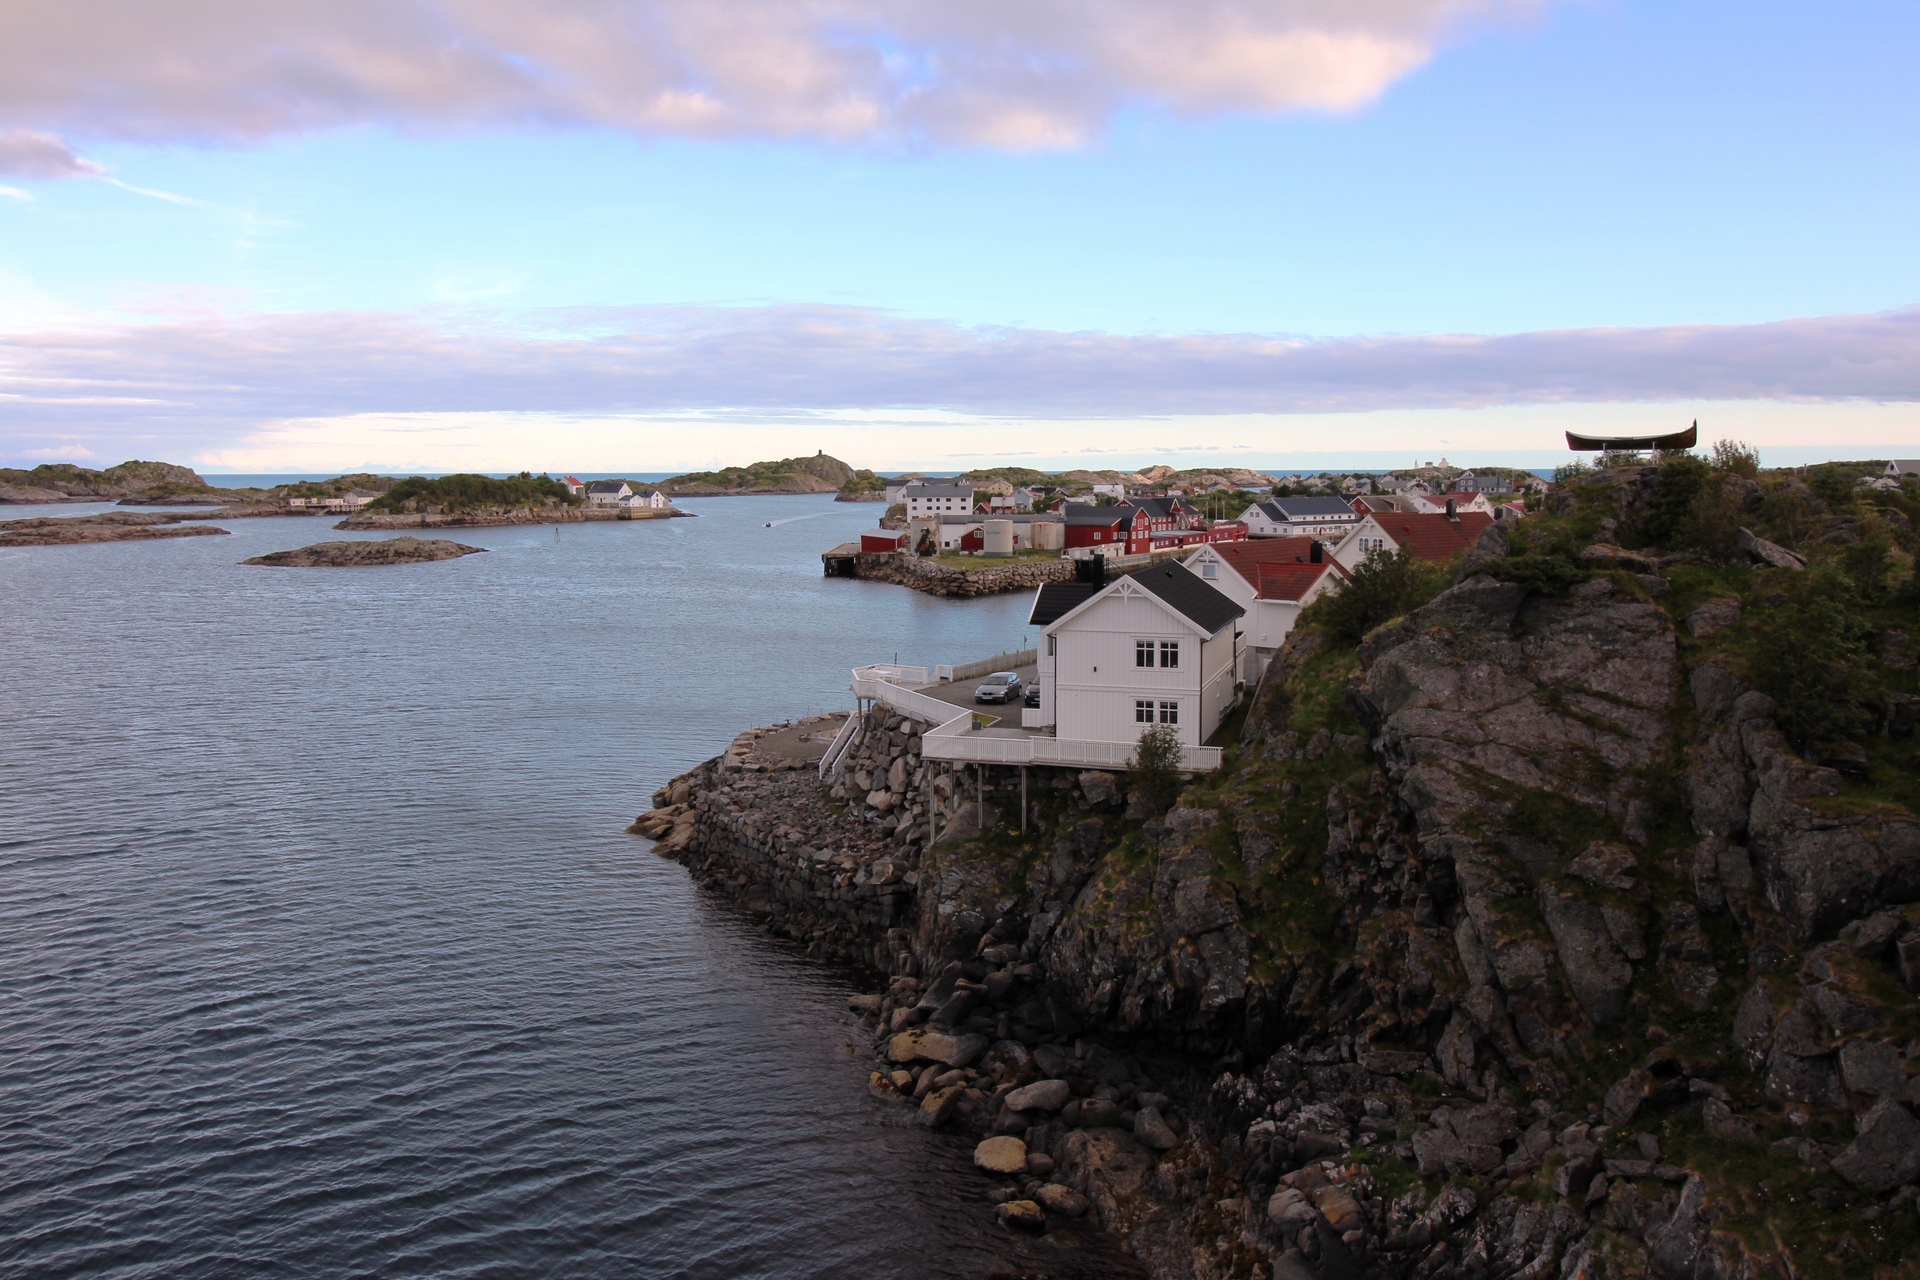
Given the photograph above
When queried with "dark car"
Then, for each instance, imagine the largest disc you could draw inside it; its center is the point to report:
(1001, 686)
(1033, 695)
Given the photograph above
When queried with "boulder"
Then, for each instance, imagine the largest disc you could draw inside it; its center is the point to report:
(1770, 553)
(1873, 1067)
(1062, 1200)
(1100, 787)
(922, 1044)
(1001, 1155)
(1289, 1209)
(938, 1107)
(1800, 1067)
(1589, 958)
(1021, 1215)
(1153, 1132)
(1042, 1095)
(1887, 1151)
(1605, 865)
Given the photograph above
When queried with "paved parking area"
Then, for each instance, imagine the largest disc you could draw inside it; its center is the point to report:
(960, 693)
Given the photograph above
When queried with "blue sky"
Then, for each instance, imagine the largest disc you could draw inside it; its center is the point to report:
(1566, 172)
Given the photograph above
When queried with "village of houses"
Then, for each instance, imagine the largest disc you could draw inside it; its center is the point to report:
(1170, 616)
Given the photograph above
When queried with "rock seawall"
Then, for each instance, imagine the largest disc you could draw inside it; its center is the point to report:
(942, 580)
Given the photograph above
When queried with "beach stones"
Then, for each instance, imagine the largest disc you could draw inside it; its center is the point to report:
(1001, 1155)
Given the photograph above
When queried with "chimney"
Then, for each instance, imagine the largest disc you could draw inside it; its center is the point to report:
(1316, 554)
(1452, 514)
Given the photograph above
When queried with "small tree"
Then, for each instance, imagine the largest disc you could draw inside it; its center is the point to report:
(1383, 586)
(1154, 770)
(1810, 657)
(1736, 457)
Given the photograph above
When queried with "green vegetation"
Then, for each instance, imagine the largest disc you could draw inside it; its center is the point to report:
(1154, 770)
(863, 482)
(1810, 656)
(817, 474)
(467, 492)
(1383, 587)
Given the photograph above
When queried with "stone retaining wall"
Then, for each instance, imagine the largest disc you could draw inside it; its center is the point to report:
(940, 580)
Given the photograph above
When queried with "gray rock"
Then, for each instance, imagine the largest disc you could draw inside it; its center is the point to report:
(1722, 1123)
(1042, 1095)
(1753, 1024)
(1098, 1113)
(1293, 1264)
(1606, 865)
(1676, 1245)
(1289, 1209)
(1060, 1199)
(1770, 553)
(1577, 1170)
(1100, 787)
(1593, 967)
(1623, 1099)
(1687, 956)
(1887, 1151)
(1873, 1067)
(1153, 1132)
(1713, 617)
(1800, 1068)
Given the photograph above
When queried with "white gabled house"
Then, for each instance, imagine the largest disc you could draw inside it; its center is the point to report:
(1903, 467)
(608, 493)
(1156, 647)
(1273, 579)
(1329, 519)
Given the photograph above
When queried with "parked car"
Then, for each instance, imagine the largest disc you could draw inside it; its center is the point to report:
(1033, 695)
(1001, 686)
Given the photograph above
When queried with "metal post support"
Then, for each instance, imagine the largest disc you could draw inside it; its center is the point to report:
(1023, 799)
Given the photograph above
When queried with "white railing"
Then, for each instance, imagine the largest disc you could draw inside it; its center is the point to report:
(830, 762)
(954, 738)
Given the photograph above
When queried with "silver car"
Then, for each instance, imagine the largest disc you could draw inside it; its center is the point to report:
(1001, 686)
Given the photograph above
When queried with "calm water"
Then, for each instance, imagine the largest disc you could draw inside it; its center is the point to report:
(322, 952)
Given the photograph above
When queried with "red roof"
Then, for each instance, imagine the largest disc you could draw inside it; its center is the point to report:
(1431, 536)
(1292, 581)
(1246, 555)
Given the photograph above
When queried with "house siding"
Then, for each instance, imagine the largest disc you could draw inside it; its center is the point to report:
(1096, 681)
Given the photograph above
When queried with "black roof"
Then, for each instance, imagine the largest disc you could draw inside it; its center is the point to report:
(1055, 600)
(1102, 516)
(1160, 508)
(1177, 586)
(1308, 508)
(606, 486)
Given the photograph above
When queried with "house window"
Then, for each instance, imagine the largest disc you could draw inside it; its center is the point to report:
(1143, 711)
(1143, 653)
(1169, 653)
(1169, 713)
(1052, 642)
(1210, 571)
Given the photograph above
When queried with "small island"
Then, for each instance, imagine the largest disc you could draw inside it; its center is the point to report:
(353, 555)
(111, 526)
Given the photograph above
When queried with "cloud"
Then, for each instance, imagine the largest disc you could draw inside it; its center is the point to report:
(1019, 74)
(232, 372)
(28, 153)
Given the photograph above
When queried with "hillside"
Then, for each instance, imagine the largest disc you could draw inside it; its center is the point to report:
(818, 474)
(448, 495)
(64, 482)
(1557, 914)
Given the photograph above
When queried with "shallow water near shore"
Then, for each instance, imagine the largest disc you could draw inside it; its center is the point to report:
(323, 952)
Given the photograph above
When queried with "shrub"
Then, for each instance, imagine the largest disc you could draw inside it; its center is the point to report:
(459, 492)
(1153, 774)
(1572, 471)
(1809, 656)
(1832, 486)
(1676, 488)
(1736, 457)
(1716, 517)
(1383, 586)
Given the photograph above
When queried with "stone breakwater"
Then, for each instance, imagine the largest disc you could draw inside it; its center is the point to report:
(942, 580)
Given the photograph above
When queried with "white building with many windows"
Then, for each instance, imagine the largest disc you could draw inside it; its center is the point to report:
(929, 500)
(1328, 519)
(1156, 647)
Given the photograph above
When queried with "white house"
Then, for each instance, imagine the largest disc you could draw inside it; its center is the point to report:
(574, 485)
(1904, 467)
(1465, 500)
(1156, 647)
(1433, 537)
(657, 500)
(1273, 579)
(929, 500)
(1114, 491)
(1471, 483)
(608, 493)
(1329, 519)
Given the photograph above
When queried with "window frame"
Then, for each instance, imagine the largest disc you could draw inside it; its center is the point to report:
(1169, 649)
(1143, 710)
(1143, 651)
(1169, 712)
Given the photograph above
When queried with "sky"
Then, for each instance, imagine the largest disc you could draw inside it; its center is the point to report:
(269, 235)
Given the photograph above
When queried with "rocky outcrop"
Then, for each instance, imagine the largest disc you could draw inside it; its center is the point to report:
(64, 482)
(111, 526)
(349, 555)
(1507, 944)
(488, 516)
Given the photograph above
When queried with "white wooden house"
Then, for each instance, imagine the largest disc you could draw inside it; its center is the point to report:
(1903, 467)
(1273, 579)
(928, 500)
(1156, 647)
(608, 493)
(1328, 519)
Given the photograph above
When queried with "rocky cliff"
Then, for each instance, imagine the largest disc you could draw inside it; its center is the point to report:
(1553, 929)
(64, 482)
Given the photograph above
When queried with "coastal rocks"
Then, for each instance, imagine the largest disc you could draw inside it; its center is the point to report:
(1887, 1151)
(65, 482)
(111, 526)
(935, 1046)
(348, 555)
(988, 579)
(1768, 553)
